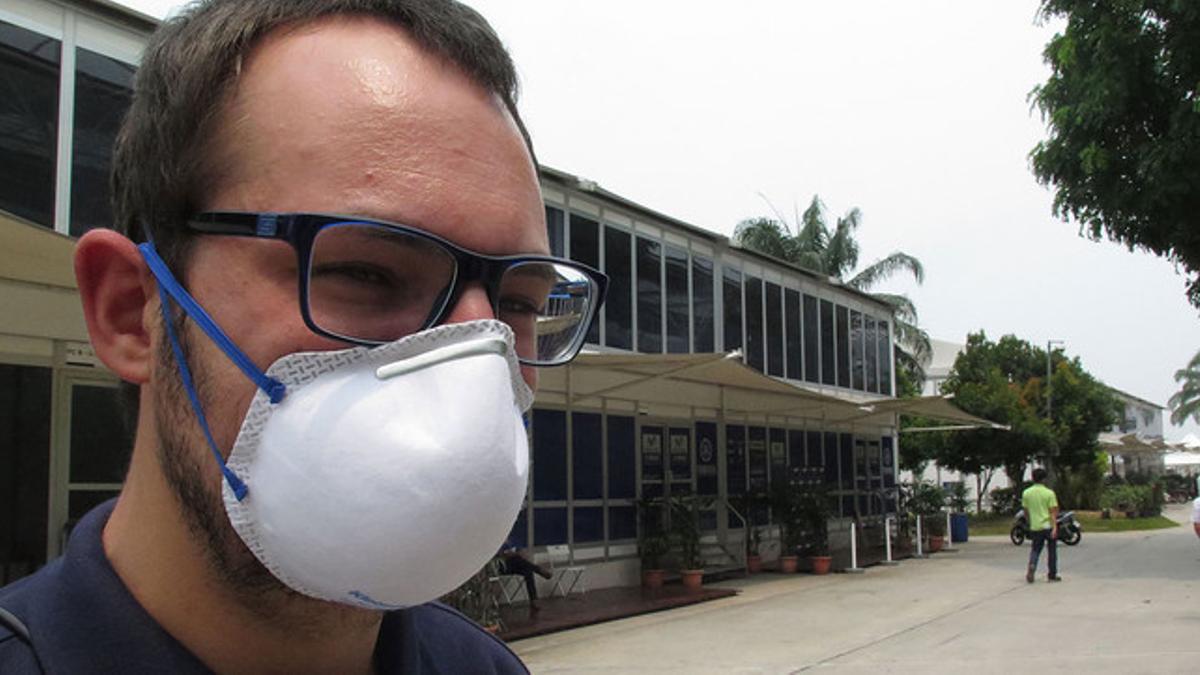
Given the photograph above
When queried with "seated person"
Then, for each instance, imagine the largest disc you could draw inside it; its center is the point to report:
(512, 561)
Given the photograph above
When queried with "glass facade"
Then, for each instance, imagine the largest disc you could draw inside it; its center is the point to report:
(703, 311)
(828, 344)
(812, 348)
(29, 74)
(792, 335)
(103, 91)
(585, 248)
(649, 296)
(754, 323)
(857, 364)
(618, 305)
(872, 357)
(731, 298)
(774, 311)
(678, 303)
(843, 347)
(554, 230)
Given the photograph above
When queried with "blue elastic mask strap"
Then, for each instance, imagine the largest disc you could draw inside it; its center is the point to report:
(169, 288)
(235, 483)
(274, 389)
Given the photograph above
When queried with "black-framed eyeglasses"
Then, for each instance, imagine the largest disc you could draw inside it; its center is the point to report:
(369, 282)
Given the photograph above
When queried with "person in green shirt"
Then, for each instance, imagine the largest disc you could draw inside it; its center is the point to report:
(1041, 510)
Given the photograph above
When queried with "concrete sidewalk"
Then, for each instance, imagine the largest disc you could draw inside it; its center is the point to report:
(1130, 604)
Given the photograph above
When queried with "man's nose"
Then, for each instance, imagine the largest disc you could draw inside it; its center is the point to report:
(472, 304)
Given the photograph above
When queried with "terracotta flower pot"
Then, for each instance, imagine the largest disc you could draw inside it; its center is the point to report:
(652, 578)
(820, 563)
(935, 542)
(692, 579)
(788, 564)
(754, 563)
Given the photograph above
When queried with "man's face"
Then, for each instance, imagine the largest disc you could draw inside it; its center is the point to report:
(346, 116)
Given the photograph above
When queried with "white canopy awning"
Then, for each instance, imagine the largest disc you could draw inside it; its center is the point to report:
(723, 382)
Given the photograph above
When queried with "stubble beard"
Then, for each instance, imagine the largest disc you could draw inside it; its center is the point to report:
(187, 465)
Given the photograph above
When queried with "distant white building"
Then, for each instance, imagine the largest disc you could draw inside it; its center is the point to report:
(1135, 443)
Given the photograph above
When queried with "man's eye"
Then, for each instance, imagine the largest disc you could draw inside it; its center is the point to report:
(355, 272)
(516, 305)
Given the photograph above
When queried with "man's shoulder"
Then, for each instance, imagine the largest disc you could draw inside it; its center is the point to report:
(16, 652)
(454, 643)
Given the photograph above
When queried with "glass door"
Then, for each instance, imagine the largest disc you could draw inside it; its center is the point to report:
(93, 453)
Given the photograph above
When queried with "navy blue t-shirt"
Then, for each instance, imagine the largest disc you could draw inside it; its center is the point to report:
(81, 619)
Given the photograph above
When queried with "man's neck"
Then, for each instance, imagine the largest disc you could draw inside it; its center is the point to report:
(167, 570)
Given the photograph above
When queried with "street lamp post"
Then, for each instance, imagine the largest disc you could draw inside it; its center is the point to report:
(1049, 373)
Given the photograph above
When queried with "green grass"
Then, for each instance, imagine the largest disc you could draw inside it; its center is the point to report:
(1090, 520)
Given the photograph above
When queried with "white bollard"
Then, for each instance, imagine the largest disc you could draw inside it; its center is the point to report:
(887, 539)
(920, 551)
(854, 568)
(949, 534)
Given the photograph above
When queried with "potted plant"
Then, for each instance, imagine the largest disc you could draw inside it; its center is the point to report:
(926, 501)
(653, 540)
(784, 500)
(478, 597)
(813, 512)
(685, 532)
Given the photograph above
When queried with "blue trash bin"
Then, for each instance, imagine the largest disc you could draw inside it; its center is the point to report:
(958, 527)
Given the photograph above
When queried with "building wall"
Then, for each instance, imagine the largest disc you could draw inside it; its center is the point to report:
(676, 289)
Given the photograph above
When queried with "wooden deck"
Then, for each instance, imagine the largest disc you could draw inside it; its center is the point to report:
(607, 604)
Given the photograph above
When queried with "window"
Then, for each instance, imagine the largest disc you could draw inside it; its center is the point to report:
(827, 344)
(554, 230)
(29, 72)
(872, 357)
(649, 296)
(731, 296)
(678, 341)
(791, 322)
(754, 323)
(549, 455)
(622, 458)
(25, 465)
(756, 448)
(774, 330)
(885, 359)
(585, 247)
(103, 89)
(703, 326)
(706, 458)
(618, 304)
(587, 462)
(843, 346)
(857, 373)
(796, 458)
(735, 458)
(812, 349)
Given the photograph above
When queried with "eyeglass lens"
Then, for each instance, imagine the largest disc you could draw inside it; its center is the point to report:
(379, 284)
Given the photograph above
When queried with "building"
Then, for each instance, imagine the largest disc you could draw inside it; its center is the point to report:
(710, 371)
(1135, 443)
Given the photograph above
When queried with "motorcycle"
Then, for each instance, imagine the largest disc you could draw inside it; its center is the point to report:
(1069, 529)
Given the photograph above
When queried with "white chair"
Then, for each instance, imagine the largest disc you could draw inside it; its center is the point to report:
(566, 579)
(511, 587)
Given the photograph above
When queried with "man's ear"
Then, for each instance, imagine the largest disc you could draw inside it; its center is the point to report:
(116, 287)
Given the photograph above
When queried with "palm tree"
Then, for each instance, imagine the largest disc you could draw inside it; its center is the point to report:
(835, 253)
(1186, 402)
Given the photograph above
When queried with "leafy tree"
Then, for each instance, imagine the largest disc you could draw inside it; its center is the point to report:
(834, 252)
(1123, 117)
(1186, 402)
(1004, 381)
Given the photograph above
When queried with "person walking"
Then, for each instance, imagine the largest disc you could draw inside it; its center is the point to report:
(1041, 508)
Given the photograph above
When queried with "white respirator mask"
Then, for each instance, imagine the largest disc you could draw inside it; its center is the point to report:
(378, 477)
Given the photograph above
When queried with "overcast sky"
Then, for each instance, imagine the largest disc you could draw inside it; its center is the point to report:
(916, 112)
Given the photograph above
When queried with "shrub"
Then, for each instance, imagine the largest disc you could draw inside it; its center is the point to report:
(1005, 501)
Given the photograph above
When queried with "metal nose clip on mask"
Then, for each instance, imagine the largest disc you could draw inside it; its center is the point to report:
(376, 477)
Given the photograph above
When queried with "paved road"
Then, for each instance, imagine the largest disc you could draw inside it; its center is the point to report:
(1130, 603)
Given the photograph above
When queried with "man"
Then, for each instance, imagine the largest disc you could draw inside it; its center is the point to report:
(1041, 510)
(250, 536)
(514, 562)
